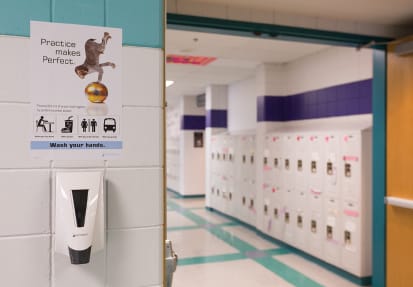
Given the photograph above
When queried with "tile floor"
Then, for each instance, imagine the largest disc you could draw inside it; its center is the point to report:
(216, 251)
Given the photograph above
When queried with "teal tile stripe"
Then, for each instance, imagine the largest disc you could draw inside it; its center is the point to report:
(362, 281)
(189, 227)
(280, 269)
(379, 168)
(85, 12)
(211, 259)
(15, 15)
(277, 251)
(288, 274)
(142, 21)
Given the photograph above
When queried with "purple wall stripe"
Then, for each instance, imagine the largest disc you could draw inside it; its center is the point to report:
(192, 122)
(342, 100)
(216, 119)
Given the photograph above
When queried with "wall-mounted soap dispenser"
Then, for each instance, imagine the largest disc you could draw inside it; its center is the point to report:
(79, 215)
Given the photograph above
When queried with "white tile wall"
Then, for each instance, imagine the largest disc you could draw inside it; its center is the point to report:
(78, 164)
(24, 202)
(216, 97)
(284, 19)
(239, 13)
(241, 97)
(66, 274)
(326, 24)
(25, 261)
(15, 119)
(216, 11)
(133, 257)
(333, 66)
(134, 197)
(15, 76)
(27, 199)
(191, 8)
(189, 106)
(171, 6)
(142, 139)
(140, 86)
(262, 16)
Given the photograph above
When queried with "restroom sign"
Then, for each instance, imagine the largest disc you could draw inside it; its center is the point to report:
(75, 89)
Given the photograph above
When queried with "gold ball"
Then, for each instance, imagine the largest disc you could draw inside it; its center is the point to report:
(96, 92)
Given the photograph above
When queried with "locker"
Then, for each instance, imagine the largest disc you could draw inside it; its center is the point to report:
(301, 219)
(351, 237)
(333, 231)
(276, 211)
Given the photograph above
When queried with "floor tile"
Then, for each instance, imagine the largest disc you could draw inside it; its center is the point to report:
(210, 216)
(190, 202)
(240, 273)
(175, 219)
(250, 237)
(314, 271)
(198, 242)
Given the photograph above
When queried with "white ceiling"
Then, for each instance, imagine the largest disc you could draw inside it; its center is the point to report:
(386, 12)
(237, 59)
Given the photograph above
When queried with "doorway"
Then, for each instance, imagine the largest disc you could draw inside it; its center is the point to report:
(196, 211)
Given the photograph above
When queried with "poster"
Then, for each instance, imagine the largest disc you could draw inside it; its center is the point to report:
(75, 89)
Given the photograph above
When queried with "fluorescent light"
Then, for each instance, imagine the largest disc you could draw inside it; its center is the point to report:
(169, 83)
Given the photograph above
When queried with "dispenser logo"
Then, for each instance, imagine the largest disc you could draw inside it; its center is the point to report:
(79, 235)
(75, 88)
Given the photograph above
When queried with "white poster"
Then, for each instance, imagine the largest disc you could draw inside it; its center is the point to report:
(75, 74)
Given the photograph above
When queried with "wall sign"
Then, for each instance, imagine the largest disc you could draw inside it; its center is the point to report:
(75, 87)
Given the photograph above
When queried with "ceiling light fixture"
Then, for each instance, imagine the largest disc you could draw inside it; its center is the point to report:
(169, 83)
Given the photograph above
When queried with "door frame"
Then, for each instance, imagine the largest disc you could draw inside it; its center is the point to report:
(270, 31)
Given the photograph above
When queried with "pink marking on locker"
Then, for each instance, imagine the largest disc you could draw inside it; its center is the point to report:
(274, 189)
(315, 191)
(274, 139)
(352, 213)
(350, 158)
(265, 185)
(333, 241)
(327, 139)
(267, 167)
(346, 138)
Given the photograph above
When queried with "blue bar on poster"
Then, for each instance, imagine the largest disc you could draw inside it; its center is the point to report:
(75, 145)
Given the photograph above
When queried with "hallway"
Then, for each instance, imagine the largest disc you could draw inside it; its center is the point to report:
(217, 251)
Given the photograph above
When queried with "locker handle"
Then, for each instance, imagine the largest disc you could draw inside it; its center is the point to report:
(399, 202)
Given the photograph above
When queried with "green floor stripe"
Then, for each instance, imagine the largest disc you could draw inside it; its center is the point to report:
(211, 259)
(232, 223)
(287, 273)
(180, 228)
(275, 266)
(196, 208)
(277, 251)
(232, 240)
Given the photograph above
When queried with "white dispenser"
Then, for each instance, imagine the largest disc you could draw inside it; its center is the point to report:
(79, 215)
